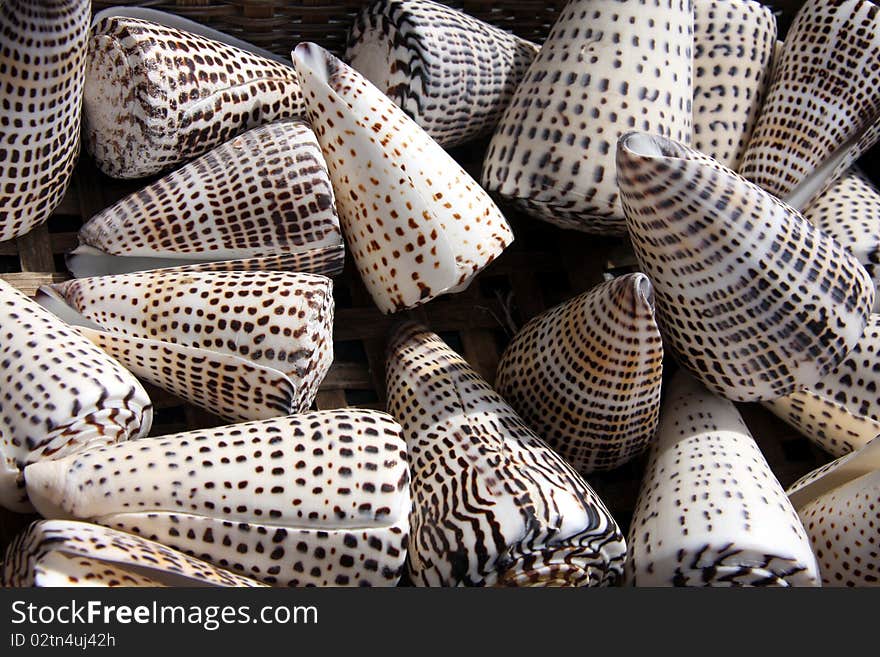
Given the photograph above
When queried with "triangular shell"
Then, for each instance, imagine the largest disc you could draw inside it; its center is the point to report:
(42, 59)
(606, 68)
(416, 223)
(710, 511)
(314, 499)
(69, 553)
(452, 74)
(750, 297)
(585, 376)
(492, 503)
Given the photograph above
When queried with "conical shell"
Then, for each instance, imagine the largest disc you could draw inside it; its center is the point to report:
(492, 503)
(417, 225)
(58, 393)
(260, 195)
(313, 499)
(156, 96)
(42, 65)
(750, 297)
(710, 511)
(69, 553)
(452, 74)
(607, 67)
(734, 43)
(585, 376)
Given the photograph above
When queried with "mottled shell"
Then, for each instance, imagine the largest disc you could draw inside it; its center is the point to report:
(751, 298)
(314, 499)
(492, 503)
(585, 376)
(452, 74)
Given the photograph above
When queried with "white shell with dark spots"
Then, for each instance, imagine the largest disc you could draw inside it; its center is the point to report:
(607, 67)
(313, 499)
(585, 376)
(451, 73)
(416, 223)
(710, 511)
(751, 298)
(493, 505)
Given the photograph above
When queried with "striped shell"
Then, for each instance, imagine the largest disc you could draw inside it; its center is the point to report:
(492, 504)
(156, 96)
(585, 376)
(42, 66)
(259, 197)
(750, 297)
(314, 499)
(710, 511)
(69, 553)
(417, 225)
(452, 74)
(58, 393)
(607, 67)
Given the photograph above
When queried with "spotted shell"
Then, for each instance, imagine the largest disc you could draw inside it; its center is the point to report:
(156, 96)
(585, 376)
(751, 298)
(313, 499)
(58, 393)
(452, 74)
(606, 68)
(710, 511)
(417, 225)
(42, 64)
(492, 503)
(257, 198)
(69, 553)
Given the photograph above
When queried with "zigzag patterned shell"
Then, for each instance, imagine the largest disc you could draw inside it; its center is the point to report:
(606, 68)
(156, 96)
(492, 503)
(43, 58)
(710, 511)
(751, 298)
(452, 74)
(68, 553)
(314, 499)
(586, 375)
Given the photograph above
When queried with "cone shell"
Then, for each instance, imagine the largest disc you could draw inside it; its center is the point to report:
(751, 298)
(313, 499)
(586, 375)
(417, 225)
(710, 511)
(452, 74)
(42, 59)
(69, 553)
(156, 96)
(606, 68)
(492, 503)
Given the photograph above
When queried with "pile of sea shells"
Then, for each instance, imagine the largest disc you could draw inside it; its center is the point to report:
(723, 155)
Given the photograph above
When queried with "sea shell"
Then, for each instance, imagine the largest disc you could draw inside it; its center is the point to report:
(69, 553)
(585, 376)
(243, 345)
(492, 503)
(710, 511)
(156, 96)
(750, 297)
(59, 393)
(452, 74)
(314, 499)
(42, 64)
(734, 43)
(606, 68)
(260, 200)
(417, 225)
